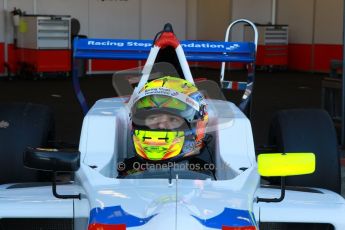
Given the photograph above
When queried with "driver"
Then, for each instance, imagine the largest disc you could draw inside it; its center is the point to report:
(169, 121)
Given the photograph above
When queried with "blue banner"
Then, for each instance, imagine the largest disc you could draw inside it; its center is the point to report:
(129, 48)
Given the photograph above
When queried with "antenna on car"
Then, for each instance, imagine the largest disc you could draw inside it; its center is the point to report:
(168, 28)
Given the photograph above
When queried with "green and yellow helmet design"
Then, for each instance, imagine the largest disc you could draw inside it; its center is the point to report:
(158, 145)
(178, 98)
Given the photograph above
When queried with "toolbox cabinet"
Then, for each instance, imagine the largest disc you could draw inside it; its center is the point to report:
(272, 45)
(44, 43)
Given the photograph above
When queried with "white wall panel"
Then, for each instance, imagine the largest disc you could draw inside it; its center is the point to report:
(299, 16)
(155, 13)
(192, 15)
(329, 22)
(2, 22)
(24, 5)
(3, 51)
(75, 8)
(213, 19)
(253, 10)
(114, 19)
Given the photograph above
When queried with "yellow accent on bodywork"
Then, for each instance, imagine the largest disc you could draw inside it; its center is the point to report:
(289, 164)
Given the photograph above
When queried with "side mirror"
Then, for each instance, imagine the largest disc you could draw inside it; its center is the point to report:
(288, 164)
(282, 165)
(53, 160)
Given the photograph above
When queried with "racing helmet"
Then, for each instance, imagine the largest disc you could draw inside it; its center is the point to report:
(169, 119)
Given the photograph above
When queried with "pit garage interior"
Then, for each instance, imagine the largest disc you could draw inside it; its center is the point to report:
(301, 69)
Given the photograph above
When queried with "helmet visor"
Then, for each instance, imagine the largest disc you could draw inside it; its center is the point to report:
(159, 119)
(162, 112)
(164, 121)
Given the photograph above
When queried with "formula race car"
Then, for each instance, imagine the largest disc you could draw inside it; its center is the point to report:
(170, 152)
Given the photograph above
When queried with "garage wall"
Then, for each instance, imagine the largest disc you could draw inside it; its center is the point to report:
(256, 11)
(319, 20)
(315, 35)
(27, 6)
(120, 19)
(328, 33)
(315, 28)
(155, 13)
(78, 9)
(114, 19)
(253, 10)
(133, 19)
(329, 22)
(192, 19)
(301, 30)
(2, 22)
(299, 19)
(213, 18)
(2, 37)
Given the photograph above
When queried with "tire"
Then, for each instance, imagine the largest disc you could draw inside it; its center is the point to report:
(309, 130)
(22, 125)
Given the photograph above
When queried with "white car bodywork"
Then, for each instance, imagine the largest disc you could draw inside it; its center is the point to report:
(199, 203)
(159, 203)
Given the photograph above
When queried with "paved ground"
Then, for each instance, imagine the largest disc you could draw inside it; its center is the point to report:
(273, 91)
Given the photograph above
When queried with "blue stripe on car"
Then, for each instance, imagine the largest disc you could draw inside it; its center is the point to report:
(229, 217)
(116, 215)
